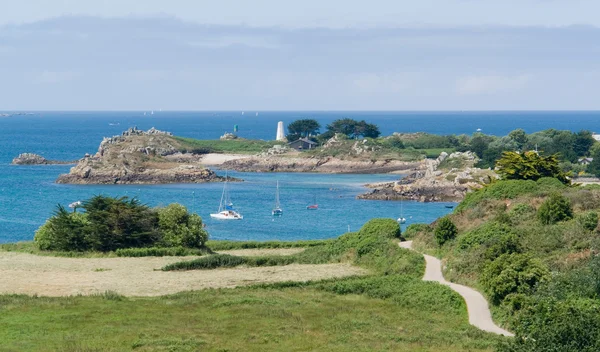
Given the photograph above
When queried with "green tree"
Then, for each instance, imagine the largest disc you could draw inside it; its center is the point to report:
(554, 209)
(445, 230)
(302, 128)
(480, 143)
(583, 143)
(519, 137)
(594, 167)
(121, 223)
(530, 166)
(353, 128)
(64, 231)
(180, 228)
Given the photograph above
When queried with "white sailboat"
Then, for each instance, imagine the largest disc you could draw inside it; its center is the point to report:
(226, 211)
(401, 219)
(277, 211)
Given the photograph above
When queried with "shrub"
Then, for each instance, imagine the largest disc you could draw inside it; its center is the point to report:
(512, 273)
(222, 245)
(510, 189)
(554, 209)
(482, 235)
(589, 220)
(521, 211)
(160, 252)
(180, 228)
(445, 230)
(550, 325)
(414, 229)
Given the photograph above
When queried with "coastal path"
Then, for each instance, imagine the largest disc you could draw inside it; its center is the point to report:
(477, 306)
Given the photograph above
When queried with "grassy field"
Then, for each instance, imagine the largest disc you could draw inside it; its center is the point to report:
(391, 309)
(418, 317)
(236, 146)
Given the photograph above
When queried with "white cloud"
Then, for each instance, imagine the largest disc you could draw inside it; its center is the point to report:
(474, 85)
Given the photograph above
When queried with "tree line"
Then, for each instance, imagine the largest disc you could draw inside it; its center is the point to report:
(309, 128)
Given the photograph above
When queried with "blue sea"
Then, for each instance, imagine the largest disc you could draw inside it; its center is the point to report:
(28, 194)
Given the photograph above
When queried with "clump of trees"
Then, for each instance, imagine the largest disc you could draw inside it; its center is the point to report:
(108, 224)
(530, 166)
(302, 128)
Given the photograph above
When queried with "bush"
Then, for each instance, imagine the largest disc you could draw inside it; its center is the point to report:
(160, 252)
(208, 262)
(510, 189)
(589, 220)
(482, 235)
(179, 228)
(222, 245)
(549, 325)
(512, 273)
(415, 229)
(554, 209)
(445, 230)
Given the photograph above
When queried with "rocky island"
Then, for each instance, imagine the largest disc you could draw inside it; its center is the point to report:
(445, 179)
(36, 159)
(139, 157)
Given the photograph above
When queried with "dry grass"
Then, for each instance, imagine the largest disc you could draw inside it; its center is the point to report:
(55, 276)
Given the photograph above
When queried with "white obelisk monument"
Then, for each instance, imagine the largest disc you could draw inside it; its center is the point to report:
(280, 134)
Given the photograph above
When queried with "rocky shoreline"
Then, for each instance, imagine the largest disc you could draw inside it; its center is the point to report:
(138, 157)
(36, 159)
(435, 184)
(322, 165)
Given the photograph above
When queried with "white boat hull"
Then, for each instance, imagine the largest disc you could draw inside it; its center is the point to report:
(227, 215)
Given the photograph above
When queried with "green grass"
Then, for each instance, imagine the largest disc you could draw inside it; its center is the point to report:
(433, 153)
(391, 309)
(237, 146)
(31, 248)
(229, 245)
(338, 315)
(211, 245)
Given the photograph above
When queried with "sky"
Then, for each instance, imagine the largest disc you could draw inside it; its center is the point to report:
(299, 55)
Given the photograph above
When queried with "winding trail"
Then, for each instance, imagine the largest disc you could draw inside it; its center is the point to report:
(477, 307)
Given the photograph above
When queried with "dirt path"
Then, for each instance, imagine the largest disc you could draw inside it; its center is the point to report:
(477, 306)
(55, 276)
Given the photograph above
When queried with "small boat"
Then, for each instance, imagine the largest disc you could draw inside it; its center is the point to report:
(313, 206)
(401, 219)
(449, 206)
(277, 211)
(479, 130)
(226, 211)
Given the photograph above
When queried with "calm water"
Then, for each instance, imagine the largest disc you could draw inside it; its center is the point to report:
(28, 195)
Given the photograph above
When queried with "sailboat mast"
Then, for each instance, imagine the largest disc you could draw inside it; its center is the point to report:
(277, 196)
